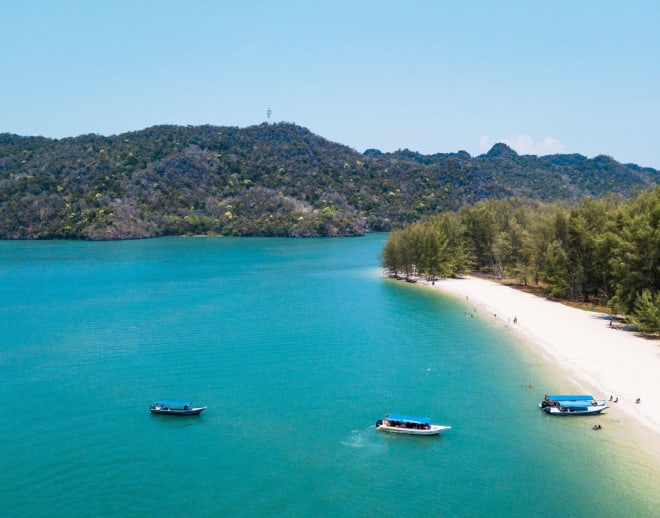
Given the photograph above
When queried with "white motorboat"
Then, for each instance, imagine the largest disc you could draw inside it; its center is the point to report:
(575, 407)
(574, 404)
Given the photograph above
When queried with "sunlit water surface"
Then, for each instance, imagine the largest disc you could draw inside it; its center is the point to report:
(297, 347)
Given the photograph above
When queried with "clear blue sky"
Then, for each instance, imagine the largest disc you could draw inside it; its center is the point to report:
(570, 76)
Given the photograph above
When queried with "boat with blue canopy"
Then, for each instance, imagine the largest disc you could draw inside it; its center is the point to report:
(567, 400)
(408, 424)
(168, 407)
(571, 397)
(573, 404)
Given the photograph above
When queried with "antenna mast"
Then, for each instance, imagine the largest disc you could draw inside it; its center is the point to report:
(268, 112)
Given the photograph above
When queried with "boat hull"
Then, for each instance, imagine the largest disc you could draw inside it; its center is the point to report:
(434, 429)
(545, 404)
(175, 411)
(590, 410)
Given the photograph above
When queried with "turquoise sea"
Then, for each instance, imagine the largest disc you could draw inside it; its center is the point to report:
(297, 347)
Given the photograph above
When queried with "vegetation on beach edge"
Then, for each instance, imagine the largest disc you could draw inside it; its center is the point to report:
(597, 251)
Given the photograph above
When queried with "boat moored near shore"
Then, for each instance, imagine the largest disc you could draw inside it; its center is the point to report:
(551, 399)
(413, 425)
(574, 408)
(564, 404)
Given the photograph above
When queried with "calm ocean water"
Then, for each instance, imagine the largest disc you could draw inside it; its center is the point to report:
(297, 347)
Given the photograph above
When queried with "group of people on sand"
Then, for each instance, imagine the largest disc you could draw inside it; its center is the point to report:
(616, 400)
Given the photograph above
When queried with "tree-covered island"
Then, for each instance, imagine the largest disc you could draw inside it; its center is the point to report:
(265, 180)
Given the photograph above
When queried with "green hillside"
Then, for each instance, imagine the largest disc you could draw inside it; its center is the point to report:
(265, 180)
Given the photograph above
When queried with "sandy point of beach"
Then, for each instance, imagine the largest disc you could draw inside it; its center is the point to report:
(601, 359)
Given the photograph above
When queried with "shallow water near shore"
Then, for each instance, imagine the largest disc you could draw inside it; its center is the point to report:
(297, 347)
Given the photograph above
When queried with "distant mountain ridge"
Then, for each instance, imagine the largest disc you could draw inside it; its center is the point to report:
(265, 180)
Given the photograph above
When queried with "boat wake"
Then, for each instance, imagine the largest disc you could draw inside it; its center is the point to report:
(364, 439)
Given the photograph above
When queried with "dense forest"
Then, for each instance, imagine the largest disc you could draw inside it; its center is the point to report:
(265, 180)
(604, 251)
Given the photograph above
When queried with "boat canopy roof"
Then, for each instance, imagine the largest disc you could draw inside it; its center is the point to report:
(408, 418)
(167, 402)
(574, 397)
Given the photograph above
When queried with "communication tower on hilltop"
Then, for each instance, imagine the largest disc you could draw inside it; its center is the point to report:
(268, 112)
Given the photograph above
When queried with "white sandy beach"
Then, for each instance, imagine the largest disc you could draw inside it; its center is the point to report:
(603, 361)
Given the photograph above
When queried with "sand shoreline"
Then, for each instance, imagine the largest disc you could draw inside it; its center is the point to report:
(600, 359)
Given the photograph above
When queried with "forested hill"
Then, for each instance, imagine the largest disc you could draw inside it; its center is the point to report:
(275, 180)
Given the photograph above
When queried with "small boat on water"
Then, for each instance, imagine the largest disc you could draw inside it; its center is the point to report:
(572, 404)
(166, 407)
(413, 425)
